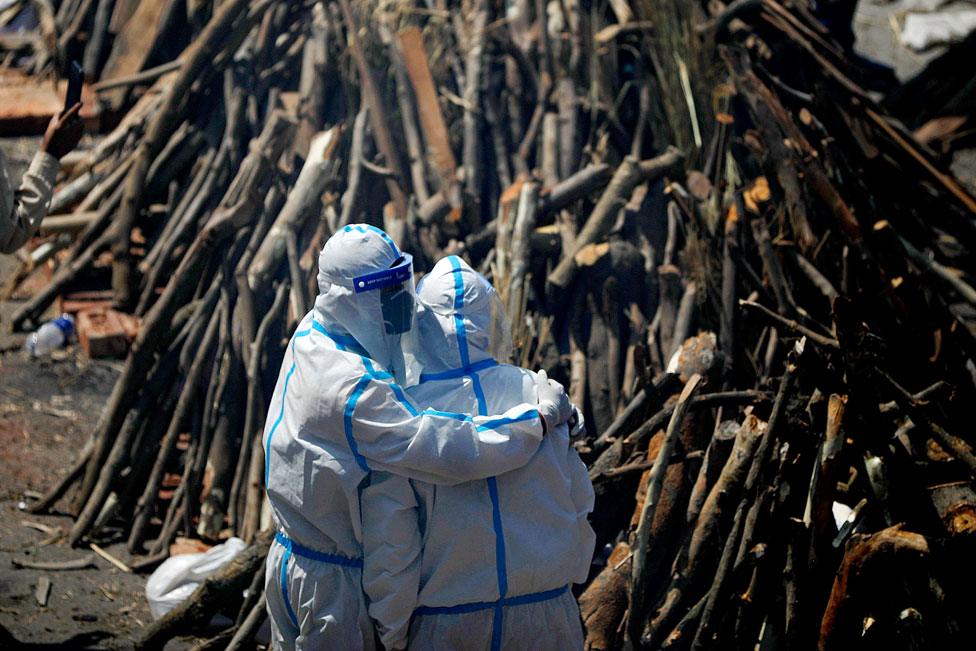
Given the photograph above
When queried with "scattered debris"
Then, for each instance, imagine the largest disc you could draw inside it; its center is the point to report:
(42, 591)
(86, 561)
(111, 559)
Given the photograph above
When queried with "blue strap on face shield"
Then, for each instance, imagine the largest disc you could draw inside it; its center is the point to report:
(396, 293)
(397, 275)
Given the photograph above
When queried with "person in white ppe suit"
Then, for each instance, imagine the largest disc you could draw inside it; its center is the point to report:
(337, 413)
(486, 564)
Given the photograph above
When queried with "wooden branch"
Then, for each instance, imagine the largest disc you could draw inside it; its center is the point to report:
(790, 324)
(639, 588)
(630, 174)
(86, 561)
(197, 60)
(377, 112)
(151, 74)
(303, 201)
(253, 175)
(428, 107)
(718, 591)
(219, 590)
(603, 604)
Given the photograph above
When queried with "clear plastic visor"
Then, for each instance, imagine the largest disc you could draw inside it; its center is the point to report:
(396, 291)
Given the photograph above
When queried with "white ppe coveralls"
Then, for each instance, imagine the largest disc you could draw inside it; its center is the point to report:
(21, 211)
(485, 564)
(337, 413)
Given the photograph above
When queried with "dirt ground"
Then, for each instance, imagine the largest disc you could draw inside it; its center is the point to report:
(48, 408)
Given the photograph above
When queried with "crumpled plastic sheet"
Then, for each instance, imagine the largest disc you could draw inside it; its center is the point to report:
(925, 30)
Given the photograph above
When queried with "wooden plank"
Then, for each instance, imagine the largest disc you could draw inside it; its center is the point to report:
(134, 43)
(428, 108)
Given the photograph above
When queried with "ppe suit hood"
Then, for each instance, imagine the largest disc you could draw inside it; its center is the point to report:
(354, 251)
(461, 321)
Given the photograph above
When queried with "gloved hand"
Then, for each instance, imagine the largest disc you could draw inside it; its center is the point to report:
(577, 426)
(554, 404)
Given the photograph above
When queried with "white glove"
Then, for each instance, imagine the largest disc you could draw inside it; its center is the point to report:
(577, 426)
(554, 404)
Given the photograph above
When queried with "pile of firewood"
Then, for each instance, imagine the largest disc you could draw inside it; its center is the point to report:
(120, 44)
(752, 278)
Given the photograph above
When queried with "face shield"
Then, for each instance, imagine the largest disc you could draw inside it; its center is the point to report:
(396, 292)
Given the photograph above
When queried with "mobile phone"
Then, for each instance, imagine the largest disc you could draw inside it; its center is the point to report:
(75, 78)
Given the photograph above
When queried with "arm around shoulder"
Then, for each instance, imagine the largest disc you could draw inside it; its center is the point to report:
(393, 434)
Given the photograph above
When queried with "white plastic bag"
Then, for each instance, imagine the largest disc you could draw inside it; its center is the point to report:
(179, 576)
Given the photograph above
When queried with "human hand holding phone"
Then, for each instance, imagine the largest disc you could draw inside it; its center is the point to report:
(76, 77)
(65, 130)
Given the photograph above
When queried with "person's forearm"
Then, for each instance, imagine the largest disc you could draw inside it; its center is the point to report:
(448, 450)
(391, 555)
(30, 203)
(388, 432)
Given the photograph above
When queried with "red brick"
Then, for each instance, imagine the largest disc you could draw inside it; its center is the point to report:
(104, 332)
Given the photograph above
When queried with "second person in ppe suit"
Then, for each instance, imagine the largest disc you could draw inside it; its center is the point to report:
(486, 564)
(338, 412)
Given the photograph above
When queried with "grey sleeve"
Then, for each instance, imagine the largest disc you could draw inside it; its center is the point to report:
(391, 551)
(21, 212)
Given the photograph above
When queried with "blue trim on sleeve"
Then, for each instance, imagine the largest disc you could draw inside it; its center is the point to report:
(448, 414)
(498, 422)
(357, 392)
(455, 373)
(281, 413)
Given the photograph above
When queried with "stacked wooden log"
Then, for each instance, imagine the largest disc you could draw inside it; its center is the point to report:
(120, 44)
(770, 329)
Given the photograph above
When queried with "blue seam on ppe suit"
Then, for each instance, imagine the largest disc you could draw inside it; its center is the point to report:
(306, 552)
(283, 578)
(281, 413)
(468, 369)
(475, 606)
(364, 228)
(496, 513)
(299, 550)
